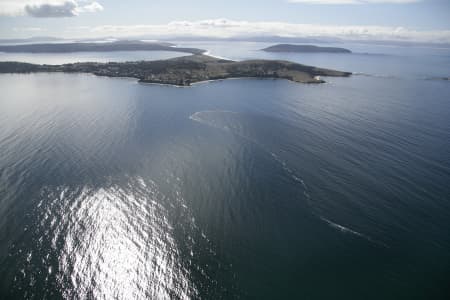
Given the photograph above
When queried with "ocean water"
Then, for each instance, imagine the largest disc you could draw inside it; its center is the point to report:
(66, 58)
(234, 189)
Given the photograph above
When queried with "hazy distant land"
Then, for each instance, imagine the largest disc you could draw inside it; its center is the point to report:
(305, 49)
(97, 47)
(183, 71)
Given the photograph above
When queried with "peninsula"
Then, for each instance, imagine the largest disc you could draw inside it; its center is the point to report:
(304, 49)
(183, 71)
(97, 47)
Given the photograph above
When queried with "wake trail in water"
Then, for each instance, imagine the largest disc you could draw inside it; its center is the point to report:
(308, 198)
(351, 231)
(292, 174)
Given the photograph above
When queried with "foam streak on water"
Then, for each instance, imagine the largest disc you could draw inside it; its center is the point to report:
(207, 118)
(272, 190)
(351, 231)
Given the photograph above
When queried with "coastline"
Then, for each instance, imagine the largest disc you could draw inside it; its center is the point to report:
(186, 70)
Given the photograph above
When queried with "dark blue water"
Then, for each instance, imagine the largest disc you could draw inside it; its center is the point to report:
(251, 189)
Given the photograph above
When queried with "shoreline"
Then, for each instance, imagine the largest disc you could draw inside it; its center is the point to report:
(138, 81)
(186, 70)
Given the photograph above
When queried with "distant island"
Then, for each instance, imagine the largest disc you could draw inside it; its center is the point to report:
(97, 47)
(304, 49)
(183, 71)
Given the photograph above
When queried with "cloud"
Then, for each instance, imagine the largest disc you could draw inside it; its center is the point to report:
(65, 9)
(353, 1)
(224, 28)
(48, 8)
(91, 7)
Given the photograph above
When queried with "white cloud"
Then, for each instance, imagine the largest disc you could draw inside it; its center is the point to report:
(225, 28)
(48, 8)
(353, 1)
(90, 7)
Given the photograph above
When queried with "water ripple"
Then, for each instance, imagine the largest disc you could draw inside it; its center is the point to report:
(116, 243)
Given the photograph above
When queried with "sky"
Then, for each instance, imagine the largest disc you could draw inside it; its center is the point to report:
(398, 20)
